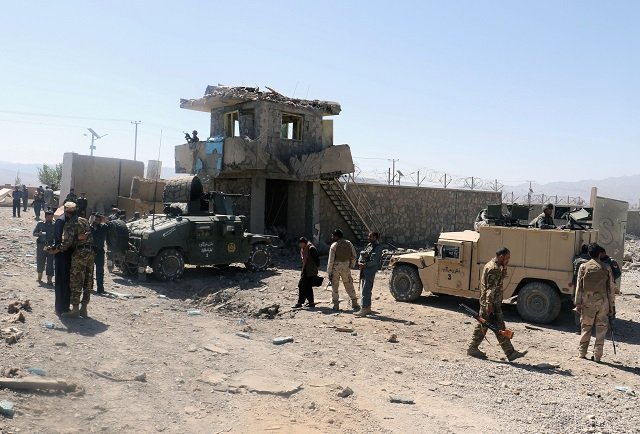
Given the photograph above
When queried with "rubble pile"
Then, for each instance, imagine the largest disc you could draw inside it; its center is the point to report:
(631, 252)
(254, 94)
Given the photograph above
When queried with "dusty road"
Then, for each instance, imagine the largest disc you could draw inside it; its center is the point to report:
(202, 377)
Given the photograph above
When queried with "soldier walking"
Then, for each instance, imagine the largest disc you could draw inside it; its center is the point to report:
(493, 275)
(342, 257)
(310, 263)
(16, 194)
(595, 302)
(77, 235)
(99, 230)
(369, 263)
(45, 233)
(38, 202)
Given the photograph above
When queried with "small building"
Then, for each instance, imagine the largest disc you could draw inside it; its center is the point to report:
(272, 148)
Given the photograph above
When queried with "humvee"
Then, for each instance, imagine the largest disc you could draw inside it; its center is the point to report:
(540, 273)
(197, 228)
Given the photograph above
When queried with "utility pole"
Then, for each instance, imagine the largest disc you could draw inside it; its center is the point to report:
(135, 142)
(392, 180)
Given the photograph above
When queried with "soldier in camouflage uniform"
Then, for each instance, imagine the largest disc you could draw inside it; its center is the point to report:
(369, 263)
(492, 277)
(77, 235)
(595, 301)
(342, 257)
(545, 220)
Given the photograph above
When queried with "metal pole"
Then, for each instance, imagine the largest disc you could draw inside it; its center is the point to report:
(135, 143)
(393, 165)
(92, 147)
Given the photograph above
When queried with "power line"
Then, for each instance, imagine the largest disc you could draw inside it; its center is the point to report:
(51, 115)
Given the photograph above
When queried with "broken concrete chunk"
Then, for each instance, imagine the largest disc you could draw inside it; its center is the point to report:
(282, 340)
(401, 400)
(6, 408)
(214, 349)
(345, 392)
(344, 329)
(393, 338)
(243, 335)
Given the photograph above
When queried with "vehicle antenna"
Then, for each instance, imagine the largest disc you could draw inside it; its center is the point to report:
(155, 186)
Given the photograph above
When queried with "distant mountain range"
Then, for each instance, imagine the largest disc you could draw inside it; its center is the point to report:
(625, 188)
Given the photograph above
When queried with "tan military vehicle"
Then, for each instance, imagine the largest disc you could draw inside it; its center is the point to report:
(540, 273)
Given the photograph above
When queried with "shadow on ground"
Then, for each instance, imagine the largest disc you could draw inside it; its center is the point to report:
(83, 326)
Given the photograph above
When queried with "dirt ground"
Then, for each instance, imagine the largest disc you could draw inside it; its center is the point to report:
(219, 371)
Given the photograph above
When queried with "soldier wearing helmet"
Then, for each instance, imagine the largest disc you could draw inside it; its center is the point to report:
(545, 220)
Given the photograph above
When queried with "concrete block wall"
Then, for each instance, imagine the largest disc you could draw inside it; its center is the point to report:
(242, 205)
(415, 216)
(102, 179)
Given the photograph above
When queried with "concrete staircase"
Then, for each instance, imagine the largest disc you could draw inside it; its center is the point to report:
(353, 205)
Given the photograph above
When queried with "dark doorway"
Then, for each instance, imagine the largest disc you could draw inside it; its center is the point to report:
(276, 203)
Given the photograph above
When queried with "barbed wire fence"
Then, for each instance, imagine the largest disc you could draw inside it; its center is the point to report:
(434, 178)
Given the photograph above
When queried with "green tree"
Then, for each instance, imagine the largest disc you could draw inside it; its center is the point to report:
(50, 175)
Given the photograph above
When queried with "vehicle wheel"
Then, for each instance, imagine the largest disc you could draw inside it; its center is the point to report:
(168, 265)
(539, 302)
(405, 283)
(260, 258)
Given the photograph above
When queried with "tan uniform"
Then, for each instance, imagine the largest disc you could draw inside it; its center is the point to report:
(342, 256)
(595, 295)
(493, 274)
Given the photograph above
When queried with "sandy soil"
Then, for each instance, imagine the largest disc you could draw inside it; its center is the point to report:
(202, 377)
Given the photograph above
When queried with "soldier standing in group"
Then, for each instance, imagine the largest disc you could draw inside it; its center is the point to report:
(310, 263)
(62, 267)
(71, 197)
(38, 202)
(16, 194)
(545, 220)
(99, 230)
(491, 289)
(48, 197)
(77, 235)
(595, 302)
(342, 257)
(45, 233)
(369, 263)
(82, 204)
(25, 198)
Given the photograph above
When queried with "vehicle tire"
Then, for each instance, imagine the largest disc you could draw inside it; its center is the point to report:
(539, 302)
(168, 265)
(260, 257)
(405, 283)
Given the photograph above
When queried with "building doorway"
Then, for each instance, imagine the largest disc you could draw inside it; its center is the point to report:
(276, 204)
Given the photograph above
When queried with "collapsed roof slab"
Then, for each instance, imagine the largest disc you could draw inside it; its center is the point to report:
(224, 96)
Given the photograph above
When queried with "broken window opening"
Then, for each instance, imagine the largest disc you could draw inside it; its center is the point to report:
(291, 127)
(232, 124)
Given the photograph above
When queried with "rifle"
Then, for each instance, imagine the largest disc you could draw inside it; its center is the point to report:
(612, 321)
(491, 326)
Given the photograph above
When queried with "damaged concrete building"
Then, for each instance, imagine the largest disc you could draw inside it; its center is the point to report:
(274, 149)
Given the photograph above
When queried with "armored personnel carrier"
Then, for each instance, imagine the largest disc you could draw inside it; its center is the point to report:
(196, 228)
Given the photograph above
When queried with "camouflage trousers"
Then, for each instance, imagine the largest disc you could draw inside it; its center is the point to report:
(480, 331)
(81, 280)
(342, 271)
(594, 313)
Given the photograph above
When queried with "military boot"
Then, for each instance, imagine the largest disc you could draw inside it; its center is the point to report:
(73, 313)
(354, 305)
(49, 280)
(336, 306)
(364, 312)
(83, 310)
(513, 355)
(475, 352)
(40, 278)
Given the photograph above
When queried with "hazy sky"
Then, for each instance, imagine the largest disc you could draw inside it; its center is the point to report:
(517, 91)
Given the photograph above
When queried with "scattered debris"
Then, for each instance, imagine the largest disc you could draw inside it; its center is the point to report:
(344, 329)
(214, 349)
(243, 335)
(529, 327)
(36, 383)
(397, 370)
(393, 338)
(625, 389)
(269, 312)
(18, 317)
(37, 371)
(140, 377)
(6, 408)
(547, 366)
(49, 325)
(401, 400)
(194, 312)
(282, 340)
(19, 305)
(11, 335)
(345, 392)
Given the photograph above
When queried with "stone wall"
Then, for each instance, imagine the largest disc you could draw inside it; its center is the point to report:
(633, 223)
(415, 216)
